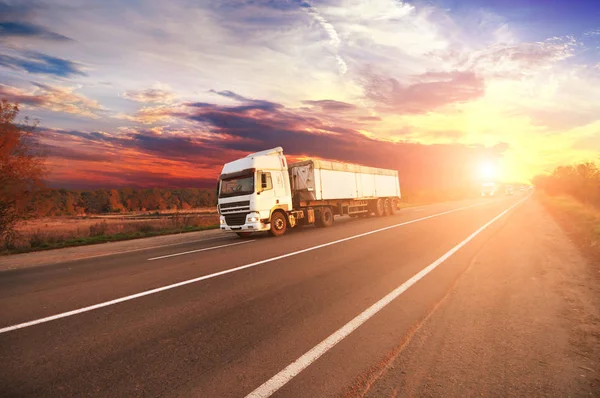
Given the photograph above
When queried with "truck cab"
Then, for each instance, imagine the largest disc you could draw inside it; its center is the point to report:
(251, 189)
(488, 189)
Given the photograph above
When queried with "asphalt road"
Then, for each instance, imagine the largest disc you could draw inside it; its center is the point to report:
(242, 311)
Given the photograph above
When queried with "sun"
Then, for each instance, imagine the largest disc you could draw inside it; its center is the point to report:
(488, 170)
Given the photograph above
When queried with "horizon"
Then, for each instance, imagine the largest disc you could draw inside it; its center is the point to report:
(162, 95)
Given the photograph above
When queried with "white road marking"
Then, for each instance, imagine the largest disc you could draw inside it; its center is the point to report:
(227, 271)
(292, 370)
(201, 250)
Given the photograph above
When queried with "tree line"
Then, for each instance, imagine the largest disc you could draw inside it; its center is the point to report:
(581, 181)
(63, 202)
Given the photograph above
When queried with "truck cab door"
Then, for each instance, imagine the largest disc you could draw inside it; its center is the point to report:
(266, 193)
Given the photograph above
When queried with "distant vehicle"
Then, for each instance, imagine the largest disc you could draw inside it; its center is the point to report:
(522, 189)
(262, 192)
(488, 189)
(509, 190)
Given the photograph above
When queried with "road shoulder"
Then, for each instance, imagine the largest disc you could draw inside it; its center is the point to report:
(523, 320)
(48, 257)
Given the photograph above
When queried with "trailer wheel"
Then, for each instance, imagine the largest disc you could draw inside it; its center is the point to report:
(393, 206)
(278, 224)
(324, 218)
(243, 234)
(387, 207)
(380, 208)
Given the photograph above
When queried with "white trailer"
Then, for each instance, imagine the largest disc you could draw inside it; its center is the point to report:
(325, 180)
(261, 192)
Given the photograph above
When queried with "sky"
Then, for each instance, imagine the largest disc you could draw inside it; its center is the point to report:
(146, 93)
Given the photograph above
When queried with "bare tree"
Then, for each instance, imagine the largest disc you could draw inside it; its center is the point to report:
(21, 167)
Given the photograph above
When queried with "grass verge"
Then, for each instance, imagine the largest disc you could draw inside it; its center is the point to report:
(92, 240)
(581, 221)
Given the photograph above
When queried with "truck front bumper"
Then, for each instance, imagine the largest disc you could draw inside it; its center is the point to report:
(248, 227)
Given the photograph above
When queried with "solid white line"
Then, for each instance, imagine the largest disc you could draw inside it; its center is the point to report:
(292, 370)
(200, 250)
(228, 271)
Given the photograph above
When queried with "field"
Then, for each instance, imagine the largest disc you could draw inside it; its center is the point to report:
(54, 232)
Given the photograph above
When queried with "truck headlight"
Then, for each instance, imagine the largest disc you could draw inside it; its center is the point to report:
(253, 217)
(222, 220)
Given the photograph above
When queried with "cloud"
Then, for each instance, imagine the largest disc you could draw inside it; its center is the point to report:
(425, 92)
(15, 22)
(57, 99)
(331, 105)
(67, 153)
(24, 29)
(38, 63)
(152, 114)
(229, 94)
(151, 95)
(518, 60)
(331, 32)
(593, 32)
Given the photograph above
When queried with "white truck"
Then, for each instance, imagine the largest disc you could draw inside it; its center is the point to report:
(262, 192)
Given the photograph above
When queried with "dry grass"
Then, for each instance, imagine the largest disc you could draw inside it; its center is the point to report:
(581, 221)
(52, 232)
(154, 214)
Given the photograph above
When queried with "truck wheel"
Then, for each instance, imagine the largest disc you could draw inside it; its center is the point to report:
(278, 224)
(243, 234)
(380, 208)
(324, 218)
(393, 206)
(387, 207)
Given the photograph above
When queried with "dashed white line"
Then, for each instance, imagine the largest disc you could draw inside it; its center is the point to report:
(222, 237)
(292, 370)
(216, 274)
(200, 250)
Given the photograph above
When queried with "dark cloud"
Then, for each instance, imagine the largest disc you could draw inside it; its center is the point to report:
(167, 146)
(426, 93)
(199, 104)
(38, 63)
(249, 104)
(331, 105)
(229, 94)
(369, 118)
(72, 154)
(24, 29)
(130, 179)
(144, 179)
(16, 20)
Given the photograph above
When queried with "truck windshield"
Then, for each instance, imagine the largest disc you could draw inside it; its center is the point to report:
(237, 186)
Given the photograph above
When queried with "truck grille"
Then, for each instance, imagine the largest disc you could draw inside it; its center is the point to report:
(236, 218)
(234, 207)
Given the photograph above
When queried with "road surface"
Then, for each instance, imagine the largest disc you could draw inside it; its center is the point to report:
(454, 299)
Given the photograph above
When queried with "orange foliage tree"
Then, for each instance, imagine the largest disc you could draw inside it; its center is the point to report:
(21, 167)
(581, 181)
